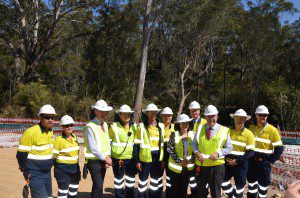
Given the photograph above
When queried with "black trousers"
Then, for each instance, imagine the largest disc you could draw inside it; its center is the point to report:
(179, 184)
(214, 177)
(97, 170)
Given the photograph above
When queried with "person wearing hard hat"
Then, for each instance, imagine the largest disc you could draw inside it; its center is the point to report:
(210, 145)
(236, 165)
(97, 146)
(122, 133)
(35, 153)
(194, 108)
(181, 160)
(167, 116)
(268, 149)
(66, 156)
(149, 152)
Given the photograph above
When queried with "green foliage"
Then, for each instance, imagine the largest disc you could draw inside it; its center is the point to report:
(240, 57)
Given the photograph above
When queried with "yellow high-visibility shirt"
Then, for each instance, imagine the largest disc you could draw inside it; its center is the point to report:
(168, 131)
(38, 143)
(241, 141)
(66, 151)
(266, 138)
(198, 123)
(154, 137)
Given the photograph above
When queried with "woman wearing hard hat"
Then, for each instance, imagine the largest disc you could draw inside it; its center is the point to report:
(97, 146)
(35, 155)
(122, 133)
(181, 160)
(167, 116)
(148, 153)
(66, 154)
(268, 149)
(236, 164)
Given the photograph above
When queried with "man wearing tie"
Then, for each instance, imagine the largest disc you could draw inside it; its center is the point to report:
(210, 145)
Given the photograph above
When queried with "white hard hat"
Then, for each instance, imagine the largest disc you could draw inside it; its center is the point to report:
(194, 105)
(210, 110)
(241, 113)
(47, 109)
(124, 109)
(101, 105)
(262, 109)
(167, 111)
(151, 107)
(66, 120)
(183, 118)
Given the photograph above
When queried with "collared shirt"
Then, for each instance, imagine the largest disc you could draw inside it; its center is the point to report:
(91, 141)
(227, 146)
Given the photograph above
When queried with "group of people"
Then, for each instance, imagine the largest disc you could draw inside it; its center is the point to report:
(193, 151)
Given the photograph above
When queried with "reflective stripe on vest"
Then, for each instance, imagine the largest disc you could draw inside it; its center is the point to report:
(118, 146)
(102, 140)
(176, 167)
(145, 147)
(221, 134)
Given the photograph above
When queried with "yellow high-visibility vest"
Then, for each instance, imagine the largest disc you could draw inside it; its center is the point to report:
(119, 137)
(215, 144)
(176, 167)
(102, 140)
(149, 143)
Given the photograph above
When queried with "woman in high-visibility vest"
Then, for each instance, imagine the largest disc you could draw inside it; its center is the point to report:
(97, 146)
(236, 165)
(121, 133)
(148, 153)
(181, 160)
(66, 155)
(167, 116)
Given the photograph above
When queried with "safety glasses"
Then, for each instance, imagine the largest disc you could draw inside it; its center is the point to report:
(69, 125)
(262, 115)
(47, 117)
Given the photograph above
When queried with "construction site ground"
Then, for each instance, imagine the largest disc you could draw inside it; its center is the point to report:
(12, 181)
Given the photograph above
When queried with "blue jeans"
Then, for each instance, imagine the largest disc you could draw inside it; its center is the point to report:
(128, 170)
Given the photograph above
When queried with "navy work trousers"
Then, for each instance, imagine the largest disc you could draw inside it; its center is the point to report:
(40, 183)
(124, 176)
(155, 170)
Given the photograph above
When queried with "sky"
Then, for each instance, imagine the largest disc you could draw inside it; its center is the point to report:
(287, 17)
(296, 16)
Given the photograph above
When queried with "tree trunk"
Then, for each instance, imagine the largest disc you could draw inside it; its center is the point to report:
(145, 46)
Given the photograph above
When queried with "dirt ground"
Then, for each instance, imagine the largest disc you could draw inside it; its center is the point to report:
(12, 181)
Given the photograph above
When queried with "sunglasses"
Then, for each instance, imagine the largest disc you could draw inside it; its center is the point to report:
(67, 126)
(262, 115)
(47, 117)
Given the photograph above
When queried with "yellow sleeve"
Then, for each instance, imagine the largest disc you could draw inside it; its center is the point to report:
(26, 142)
(137, 136)
(56, 147)
(250, 141)
(275, 138)
(111, 132)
